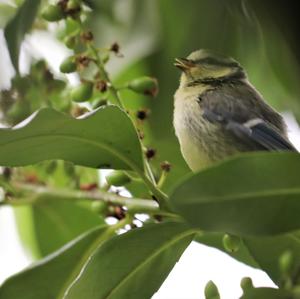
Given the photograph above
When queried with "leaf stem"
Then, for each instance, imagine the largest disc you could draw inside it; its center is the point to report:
(135, 204)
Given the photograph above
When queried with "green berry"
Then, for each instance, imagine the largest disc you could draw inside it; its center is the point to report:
(68, 65)
(144, 85)
(73, 5)
(246, 283)
(52, 13)
(82, 92)
(70, 42)
(286, 262)
(99, 207)
(211, 291)
(231, 243)
(118, 178)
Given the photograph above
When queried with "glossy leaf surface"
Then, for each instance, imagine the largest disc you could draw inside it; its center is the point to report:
(255, 194)
(121, 267)
(50, 277)
(105, 138)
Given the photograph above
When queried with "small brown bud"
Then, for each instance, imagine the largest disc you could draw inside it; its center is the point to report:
(141, 134)
(7, 172)
(88, 187)
(31, 178)
(87, 36)
(119, 212)
(78, 111)
(101, 86)
(150, 153)
(73, 8)
(165, 166)
(115, 47)
(142, 114)
(83, 60)
(63, 4)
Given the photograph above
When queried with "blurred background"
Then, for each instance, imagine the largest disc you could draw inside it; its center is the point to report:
(262, 35)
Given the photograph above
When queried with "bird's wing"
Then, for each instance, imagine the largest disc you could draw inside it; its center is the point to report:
(245, 117)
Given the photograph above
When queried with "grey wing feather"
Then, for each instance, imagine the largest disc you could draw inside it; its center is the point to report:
(244, 118)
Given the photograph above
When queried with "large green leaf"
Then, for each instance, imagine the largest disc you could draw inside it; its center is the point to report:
(6, 12)
(50, 277)
(117, 268)
(254, 194)
(132, 265)
(267, 251)
(266, 293)
(105, 138)
(49, 224)
(17, 27)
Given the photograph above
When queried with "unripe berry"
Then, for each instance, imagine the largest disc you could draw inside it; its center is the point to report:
(99, 207)
(68, 65)
(73, 5)
(286, 262)
(52, 13)
(246, 283)
(211, 291)
(118, 178)
(70, 42)
(231, 243)
(144, 85)
(82, 92)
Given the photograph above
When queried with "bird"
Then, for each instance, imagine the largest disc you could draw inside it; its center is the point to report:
(218, 113)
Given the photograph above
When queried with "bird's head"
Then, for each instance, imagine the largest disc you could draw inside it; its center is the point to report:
(206, 67)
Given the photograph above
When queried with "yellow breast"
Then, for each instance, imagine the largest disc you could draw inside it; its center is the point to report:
(187, 121)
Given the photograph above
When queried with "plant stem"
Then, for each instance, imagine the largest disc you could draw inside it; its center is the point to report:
(135, 204)
(162, 179)
(105, 75)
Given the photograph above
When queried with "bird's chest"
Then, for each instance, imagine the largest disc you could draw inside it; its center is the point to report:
(200, 141)
(191, 130)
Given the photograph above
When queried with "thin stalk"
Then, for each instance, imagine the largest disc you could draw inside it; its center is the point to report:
(136, 204)
(105, 75)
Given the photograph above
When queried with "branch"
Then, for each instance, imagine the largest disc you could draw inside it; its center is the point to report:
(136, 205)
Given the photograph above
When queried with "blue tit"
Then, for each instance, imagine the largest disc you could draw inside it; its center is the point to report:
(218, 113)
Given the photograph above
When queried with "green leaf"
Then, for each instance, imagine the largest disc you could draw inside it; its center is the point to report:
(49, 224)
(252, 194)
(105, 138)
(6, 12)
(50, 277)
(121, 267)
(17, 27)
(266, 293)
(267, 251)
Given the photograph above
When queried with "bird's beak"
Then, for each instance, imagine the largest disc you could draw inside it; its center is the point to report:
(184, 64)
